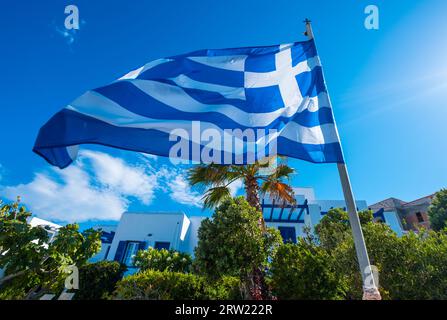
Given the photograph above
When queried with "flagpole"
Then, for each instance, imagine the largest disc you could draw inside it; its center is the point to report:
(370, 290)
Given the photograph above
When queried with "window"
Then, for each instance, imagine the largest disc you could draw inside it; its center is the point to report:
(420, 217)
(162, 245)
(288, 234)
(131, 251)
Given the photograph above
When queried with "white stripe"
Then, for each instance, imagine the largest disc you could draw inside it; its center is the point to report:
(322, 134)
(228, 92)
(97, 106)
(234, 63)
(288, 86)
(268, 79)
(129, 119)
(132, 74)
(315, 103)
(177, 98)
(135, 73)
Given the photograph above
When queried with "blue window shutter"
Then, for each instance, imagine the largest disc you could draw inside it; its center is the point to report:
(162, 245)
(142, 245)
(120, 251)
(107, 253)
(288, 234)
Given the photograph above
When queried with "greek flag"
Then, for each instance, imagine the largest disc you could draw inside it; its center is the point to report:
(223, 106)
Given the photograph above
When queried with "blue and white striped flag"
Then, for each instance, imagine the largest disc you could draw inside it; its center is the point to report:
(223, 106)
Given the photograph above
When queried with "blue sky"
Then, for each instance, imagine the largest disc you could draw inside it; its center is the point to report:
(388, 88)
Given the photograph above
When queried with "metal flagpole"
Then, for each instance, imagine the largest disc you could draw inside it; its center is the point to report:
(370, 291)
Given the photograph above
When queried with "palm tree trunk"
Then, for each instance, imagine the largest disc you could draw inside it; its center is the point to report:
(252, 191)
(259, 290)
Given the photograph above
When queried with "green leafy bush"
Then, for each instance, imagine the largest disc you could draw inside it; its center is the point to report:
(413, 266)
(166, 285)
(98, 280)
(163, 260)
(438, 210)
(32, 264)
(305, 271)
(231, 243)
(225, 288)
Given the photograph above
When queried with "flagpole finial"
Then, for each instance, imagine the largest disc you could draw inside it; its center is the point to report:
(308, 33)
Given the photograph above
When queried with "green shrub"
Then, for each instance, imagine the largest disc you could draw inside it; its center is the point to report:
(304, 271)
(18, 288)
(166, 285)
(232, 244)
(226, 288)
(163, 260)
(34, 265)
(413, 266)
(437, 211)
(98, 280)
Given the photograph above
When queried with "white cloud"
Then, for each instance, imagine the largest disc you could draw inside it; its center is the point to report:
(235, 186)
(176, 184)
(149, 156)
(122, 178)
(181, 192)
(173, 181)
(97, 186)
(101, 187)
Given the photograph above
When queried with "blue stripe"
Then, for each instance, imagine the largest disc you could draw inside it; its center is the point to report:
(260, 63)
(133, 99)
(71, 128)
(214, 98)
(311, 83)
(250, 51)
(302, 51)
(196, 71)
(316, 153)
(207, 97)
(260, 59)
(264, 99)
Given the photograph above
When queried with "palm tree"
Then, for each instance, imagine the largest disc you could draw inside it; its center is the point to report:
(217, 179)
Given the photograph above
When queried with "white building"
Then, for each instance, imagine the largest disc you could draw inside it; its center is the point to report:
(140, 230)
(50, 227)
(176, 230)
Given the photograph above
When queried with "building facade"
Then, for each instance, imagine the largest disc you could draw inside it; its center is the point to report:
(178, 231)
(413, 215)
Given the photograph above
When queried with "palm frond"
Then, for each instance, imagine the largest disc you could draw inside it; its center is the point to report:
(278, 190)
(283, 171)
(207, 175)
(214, 196)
